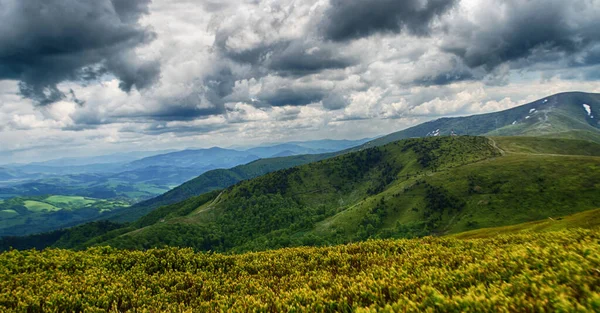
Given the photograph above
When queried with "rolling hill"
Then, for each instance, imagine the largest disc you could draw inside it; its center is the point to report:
(151, 176)
(409, 188)
(138, 176)
(214, 180)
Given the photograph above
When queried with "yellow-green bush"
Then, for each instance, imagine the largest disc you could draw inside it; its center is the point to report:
(557, 271)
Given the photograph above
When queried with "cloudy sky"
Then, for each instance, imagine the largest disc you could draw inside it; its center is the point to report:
(81, 77)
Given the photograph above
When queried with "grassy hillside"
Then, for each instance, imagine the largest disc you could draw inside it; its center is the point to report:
(286, 202)
(534, 145)
(588, 220)
(28, 215)
(215, 180)
(410, 188)
(559, 116)
(550, 272)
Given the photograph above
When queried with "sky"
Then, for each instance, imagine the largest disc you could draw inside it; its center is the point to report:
(91, 77)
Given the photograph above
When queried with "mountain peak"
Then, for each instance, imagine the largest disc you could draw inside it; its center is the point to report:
(567, 114)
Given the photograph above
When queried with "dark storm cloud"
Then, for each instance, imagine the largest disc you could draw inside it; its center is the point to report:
(445, 78)
(284, 58)
(181, 130)
(300, 58)
(43, 43)
(287, 57)
(526, 31)
(291, 96)
(353, 19)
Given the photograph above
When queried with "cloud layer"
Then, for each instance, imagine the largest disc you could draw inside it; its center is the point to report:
(44, 43)
(141, 74)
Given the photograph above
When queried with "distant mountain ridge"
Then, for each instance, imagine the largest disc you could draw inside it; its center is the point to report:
(145, 176)
(561, 115)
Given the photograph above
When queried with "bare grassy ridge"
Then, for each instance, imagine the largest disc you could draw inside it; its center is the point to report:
(556, 271)
(588, 219)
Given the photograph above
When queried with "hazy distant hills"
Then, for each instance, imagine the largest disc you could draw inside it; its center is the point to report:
(226, 158)
(6, 174)
(563, 115)
(136, 181)
(137, 176)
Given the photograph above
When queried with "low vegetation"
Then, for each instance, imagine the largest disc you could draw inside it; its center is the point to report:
(549, 272)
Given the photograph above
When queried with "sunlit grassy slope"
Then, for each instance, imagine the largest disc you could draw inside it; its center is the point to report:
(28, 215)
(588, 220)
(549, 272)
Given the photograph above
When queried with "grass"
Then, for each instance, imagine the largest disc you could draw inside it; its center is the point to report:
(37, 206)
(411, 188)
(588, 220)
(8, 213)
(47, 213)
(533, 145)
(70, 201)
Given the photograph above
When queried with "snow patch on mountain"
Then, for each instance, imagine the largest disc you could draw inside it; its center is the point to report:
(434, 133)
(588, 109)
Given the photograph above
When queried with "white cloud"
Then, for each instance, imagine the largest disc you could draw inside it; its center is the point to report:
(221, 83)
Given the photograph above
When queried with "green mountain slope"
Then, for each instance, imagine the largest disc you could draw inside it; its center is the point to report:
(560, 116)
(414, 187)
(410, 188)
(215, 180)
(554, 121)
(572, 122)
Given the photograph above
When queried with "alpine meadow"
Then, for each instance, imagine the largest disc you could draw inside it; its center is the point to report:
(300, 156)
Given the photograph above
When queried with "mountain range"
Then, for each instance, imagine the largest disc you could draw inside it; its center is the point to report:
(131, 182)
(141, 176)
(528, 163)
(574, 115)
